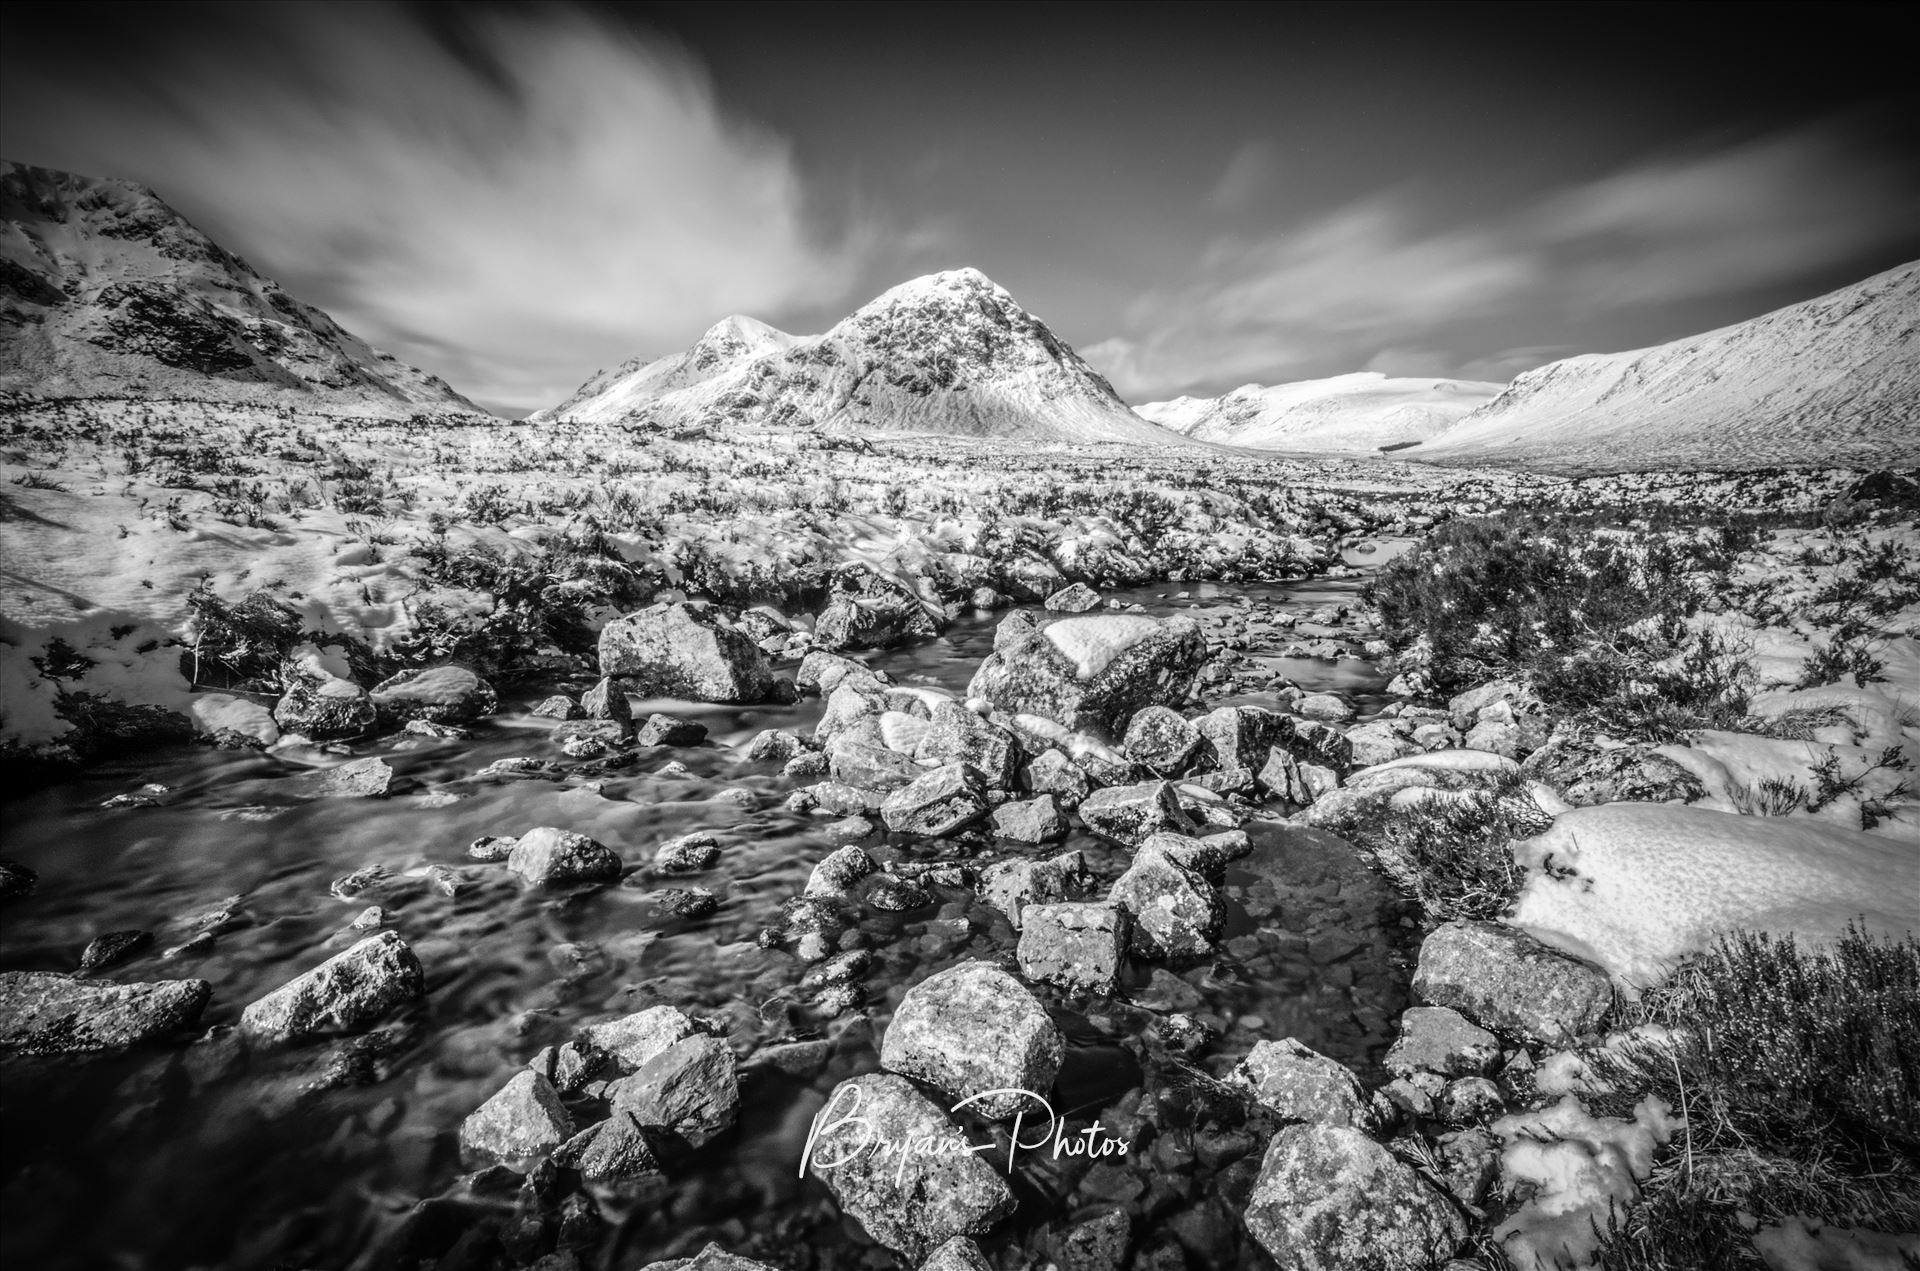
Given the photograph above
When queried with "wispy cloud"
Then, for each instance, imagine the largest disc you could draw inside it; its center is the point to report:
(547, 194)
(1250, 174)
(1374, 279)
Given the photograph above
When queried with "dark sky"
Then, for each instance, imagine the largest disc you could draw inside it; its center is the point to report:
(1194, 196)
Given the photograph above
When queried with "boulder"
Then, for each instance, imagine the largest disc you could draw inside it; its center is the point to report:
(612, 1150)
(932, 806)
(521, 1124)
(839, 873)
(1076, 946)
(957, 1254)
(687, 854)
(319, 704)
(1074, 598)
(1051, 772)
(1162, 739)
(971, 1029)
(634, 1039)
(559, 706)
(1324, 707)
(911, 1203)
(871, 611)
(1299, 1084)
(1129, 814)
(437, 695)
(822, 672)
(668, 730)
(1010, 886)
(1241, 736)
(1511, 983)
(1436, 1039)
(1329, 1198)
(866, 766)
(690, 1090)
(547, 856)
(1175, 912)
(45, 1014)
(344, 994)
(955, 734)
(369, 778)
(688, 649)
(1030, 821)
(591, 738)
(1094, 672)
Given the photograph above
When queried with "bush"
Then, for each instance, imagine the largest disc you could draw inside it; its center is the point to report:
(1594, 620)
(1450, 854)
(1799, 1073)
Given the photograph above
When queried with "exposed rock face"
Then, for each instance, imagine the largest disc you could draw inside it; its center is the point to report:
(971, 1029)
(1435, 1039)
(108, 291)
(1094, 672)
(913, 1203)
(1300, 1084)
(43, 1014)
(689, 649)
(1077, 946)
(1176, 913)
(1511, 983)
(547, 856)
(523, 1122)
(438, 695)
(344, 994)
(1331, 1199)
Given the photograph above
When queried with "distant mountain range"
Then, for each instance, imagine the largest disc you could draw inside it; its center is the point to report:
(949, 353)
(105, 291)
(1365, 411)
(1832, 380)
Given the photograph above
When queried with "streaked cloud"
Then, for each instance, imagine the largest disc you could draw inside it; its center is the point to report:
(1251, 173)
(1365, 283)
(545, 195)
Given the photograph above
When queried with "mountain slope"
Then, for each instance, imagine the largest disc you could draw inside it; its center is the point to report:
(107, 291)
(948, 353)
(1835, 379)
(1347, 413)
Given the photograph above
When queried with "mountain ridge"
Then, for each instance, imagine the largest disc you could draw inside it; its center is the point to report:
(949, 352)
(1360, 412)
(107, 291)
(1834, 379)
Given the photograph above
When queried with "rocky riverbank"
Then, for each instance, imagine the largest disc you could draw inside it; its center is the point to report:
(1076, 845)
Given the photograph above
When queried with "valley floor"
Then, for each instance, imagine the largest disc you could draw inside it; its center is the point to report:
(1564, 761)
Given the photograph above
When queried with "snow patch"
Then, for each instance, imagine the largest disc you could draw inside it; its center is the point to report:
(1581, 1168)
(1092, 643)
(1636, 887)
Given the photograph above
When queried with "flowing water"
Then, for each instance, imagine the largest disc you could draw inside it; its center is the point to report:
(206, 1154)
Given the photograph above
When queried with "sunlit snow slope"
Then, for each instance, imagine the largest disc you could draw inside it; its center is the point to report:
(948, 353)
(1362, 412)
(105, 291)
(1835, 379)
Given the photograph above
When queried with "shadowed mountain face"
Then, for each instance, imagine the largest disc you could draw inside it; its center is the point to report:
(948, 353)
(1835, 379)
(1357, 413)
(107, 291)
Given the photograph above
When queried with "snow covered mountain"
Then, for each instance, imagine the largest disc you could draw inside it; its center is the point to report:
(948, 353)
(1833, 380)
(1362, 412)
(105, 291)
